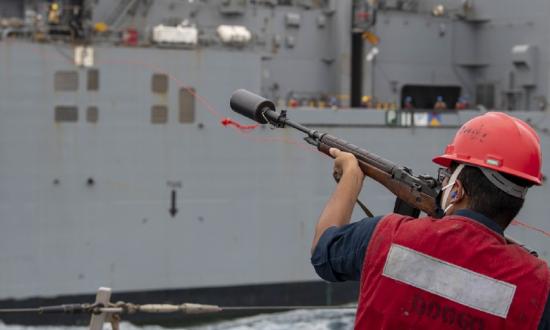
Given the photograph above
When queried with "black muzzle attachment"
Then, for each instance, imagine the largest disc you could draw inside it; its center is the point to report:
(251, 105)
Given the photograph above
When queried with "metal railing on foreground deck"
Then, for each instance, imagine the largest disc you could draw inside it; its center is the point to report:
(102, 310)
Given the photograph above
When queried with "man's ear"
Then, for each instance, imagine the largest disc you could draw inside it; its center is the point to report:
(458, 195)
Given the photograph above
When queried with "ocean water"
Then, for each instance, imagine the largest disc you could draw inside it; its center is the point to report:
(294, 320)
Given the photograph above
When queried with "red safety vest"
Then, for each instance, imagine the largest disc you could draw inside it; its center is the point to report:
(450, 273)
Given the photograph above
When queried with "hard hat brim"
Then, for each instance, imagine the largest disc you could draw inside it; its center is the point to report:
(447, 159)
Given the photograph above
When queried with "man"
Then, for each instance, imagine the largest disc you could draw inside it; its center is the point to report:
(408, 104)
(458, 272)
(462, 103)
(440, 104)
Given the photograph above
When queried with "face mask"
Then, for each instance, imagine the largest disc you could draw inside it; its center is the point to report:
(446, 190)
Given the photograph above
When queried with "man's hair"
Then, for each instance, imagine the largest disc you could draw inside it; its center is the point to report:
(487, 199)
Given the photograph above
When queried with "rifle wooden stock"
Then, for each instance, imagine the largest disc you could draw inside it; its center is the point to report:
(383, 171)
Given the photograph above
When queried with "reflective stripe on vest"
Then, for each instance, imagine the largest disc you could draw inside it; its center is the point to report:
(450, 281)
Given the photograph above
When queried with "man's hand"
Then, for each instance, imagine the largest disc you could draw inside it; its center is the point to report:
(345, 163)
(338, 209)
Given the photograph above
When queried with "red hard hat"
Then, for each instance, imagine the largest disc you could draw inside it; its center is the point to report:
(499, 142)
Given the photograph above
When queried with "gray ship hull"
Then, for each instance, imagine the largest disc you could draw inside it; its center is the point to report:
(88, 204)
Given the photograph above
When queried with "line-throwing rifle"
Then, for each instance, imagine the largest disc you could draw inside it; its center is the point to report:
(414, 193)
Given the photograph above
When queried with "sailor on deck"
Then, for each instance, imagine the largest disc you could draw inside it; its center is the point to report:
(440, 104)
(408, 104)
(458, 272)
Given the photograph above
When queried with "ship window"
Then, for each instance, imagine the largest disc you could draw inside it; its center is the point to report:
(92, 114)
(93, 80)
(159, 83)
(187, 105)
(159, 114)
(66, 81)
(425, 96)
(66, 114)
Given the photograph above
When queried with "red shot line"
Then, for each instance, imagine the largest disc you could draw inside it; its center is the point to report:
(245, 129)
(224, 121)
(528, 226)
